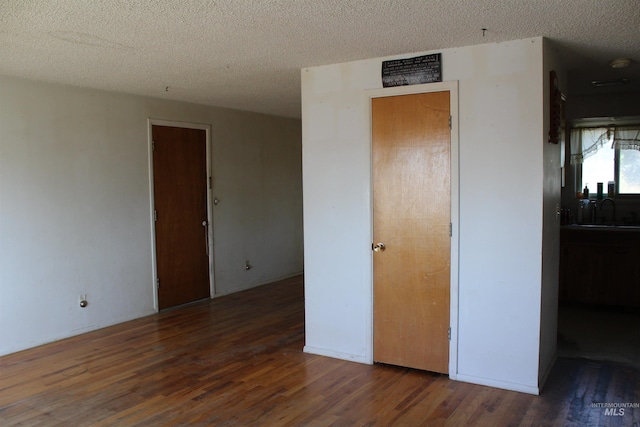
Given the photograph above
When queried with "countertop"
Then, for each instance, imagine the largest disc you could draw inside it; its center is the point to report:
(602, 227)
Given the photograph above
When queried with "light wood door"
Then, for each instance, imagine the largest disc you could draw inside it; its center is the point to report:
(180, 199)
(411, 217)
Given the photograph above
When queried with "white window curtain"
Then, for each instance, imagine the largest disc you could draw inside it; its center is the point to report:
(586, 142)
(627, 138)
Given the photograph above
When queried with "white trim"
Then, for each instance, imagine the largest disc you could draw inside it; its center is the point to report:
(337, 355)
(499, 384)
(152, 222)
(207, 129)
(452, 88)
(248, 286)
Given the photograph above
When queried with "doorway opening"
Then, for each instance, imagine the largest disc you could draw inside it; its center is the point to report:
(599, 300)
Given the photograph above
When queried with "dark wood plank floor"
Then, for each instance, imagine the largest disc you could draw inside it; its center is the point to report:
(238, 360)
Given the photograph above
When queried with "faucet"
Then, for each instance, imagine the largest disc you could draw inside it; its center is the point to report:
(608, 199)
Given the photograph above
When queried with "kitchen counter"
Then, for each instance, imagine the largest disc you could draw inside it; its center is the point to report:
(602, 227)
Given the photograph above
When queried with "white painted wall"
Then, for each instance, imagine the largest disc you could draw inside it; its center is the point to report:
(75, 215)
(501, 197)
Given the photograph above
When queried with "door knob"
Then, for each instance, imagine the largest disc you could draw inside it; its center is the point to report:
(379, 247)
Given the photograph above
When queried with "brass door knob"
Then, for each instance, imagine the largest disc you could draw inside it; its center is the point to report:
(379, 247)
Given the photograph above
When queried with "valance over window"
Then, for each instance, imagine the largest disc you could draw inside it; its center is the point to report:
(627, 138)
(587, 141)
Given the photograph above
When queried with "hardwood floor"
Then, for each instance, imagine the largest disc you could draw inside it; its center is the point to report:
(238, 361)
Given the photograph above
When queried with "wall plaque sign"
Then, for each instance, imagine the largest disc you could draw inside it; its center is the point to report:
(412, 71)
(556, 107)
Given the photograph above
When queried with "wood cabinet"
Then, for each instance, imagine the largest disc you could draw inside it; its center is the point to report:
(600, 265)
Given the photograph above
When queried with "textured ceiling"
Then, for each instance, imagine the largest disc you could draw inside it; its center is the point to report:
(247, 54)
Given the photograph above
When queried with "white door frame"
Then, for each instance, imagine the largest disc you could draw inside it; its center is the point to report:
(452, 87)
(207, 129)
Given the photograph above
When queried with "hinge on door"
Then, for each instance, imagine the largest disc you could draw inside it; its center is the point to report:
(450, 230)
(153, 145)
(449, 334)
(449, 122)
(155, 215)
(158, 285)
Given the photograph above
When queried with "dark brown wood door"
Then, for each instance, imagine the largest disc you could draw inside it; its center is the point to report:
(411, 143)
(180, 196)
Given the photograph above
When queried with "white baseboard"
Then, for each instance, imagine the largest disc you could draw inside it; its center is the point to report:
(263, 282)
(337, 355)
(522, 388)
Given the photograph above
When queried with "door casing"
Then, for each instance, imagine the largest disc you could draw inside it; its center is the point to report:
(452, 87)
(154, 265)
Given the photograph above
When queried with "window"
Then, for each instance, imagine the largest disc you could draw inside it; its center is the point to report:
(608, 155)
(629, 171)
(599, 167)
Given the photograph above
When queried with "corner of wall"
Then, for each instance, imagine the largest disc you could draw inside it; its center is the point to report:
(552, 184)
